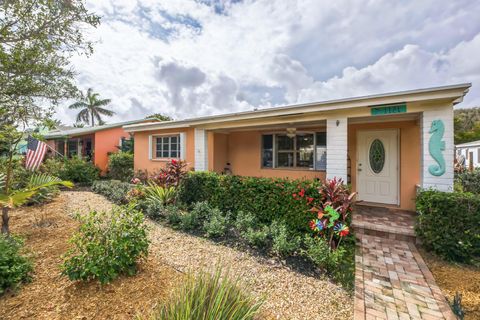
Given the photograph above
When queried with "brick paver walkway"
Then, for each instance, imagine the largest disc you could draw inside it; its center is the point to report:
(393, 282)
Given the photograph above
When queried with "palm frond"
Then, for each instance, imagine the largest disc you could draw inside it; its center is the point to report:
(78, 105)
(102, 102)
(39, 181)
(105, 112)
(15, 199)
(82, 116)
(158, 194)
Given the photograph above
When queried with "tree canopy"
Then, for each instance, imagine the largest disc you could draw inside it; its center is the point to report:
(467, 125)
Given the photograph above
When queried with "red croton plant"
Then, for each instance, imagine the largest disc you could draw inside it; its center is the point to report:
(332, 211)
(172, 174)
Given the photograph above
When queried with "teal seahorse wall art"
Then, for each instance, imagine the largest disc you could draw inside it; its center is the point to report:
(436, 147)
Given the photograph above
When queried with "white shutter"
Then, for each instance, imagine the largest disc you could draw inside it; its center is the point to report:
(150, 147)
(183, 145)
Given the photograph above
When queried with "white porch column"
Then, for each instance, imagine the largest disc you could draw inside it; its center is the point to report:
(437, 164)
(337, 147)
(201, 152)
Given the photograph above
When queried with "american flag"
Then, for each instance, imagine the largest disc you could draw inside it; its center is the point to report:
(35, 152)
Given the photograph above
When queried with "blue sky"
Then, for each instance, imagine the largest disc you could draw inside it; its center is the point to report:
(189, 58)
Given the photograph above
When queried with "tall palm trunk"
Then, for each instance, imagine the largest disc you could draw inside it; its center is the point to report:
(93, 120)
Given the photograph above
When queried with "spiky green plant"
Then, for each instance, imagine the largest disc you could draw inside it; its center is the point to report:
(209, 297)
(158, 194)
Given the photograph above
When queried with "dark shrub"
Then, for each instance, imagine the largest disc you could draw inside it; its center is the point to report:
(267, 199)
(469, 181)
(114, 190)
(449, 224)
(106, 245)
(79, 171)
(14, 267)
(120, 166)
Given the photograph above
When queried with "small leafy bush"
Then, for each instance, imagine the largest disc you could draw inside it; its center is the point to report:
(114, 190)
(283, 243)
(339, 263)
(189, 221)
(469, 181)
(173, 215)
(205, 297)
(15, 268)
(120, 166)
(216, 225)
(449, 224)
(79, 171)
(244, 221)
(106, 245)
(257, 237)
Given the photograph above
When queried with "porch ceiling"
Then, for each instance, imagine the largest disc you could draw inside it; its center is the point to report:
(279, 126)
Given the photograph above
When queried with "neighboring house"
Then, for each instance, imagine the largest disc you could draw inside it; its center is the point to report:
(471, 153)
(91, 143)
(384, 145)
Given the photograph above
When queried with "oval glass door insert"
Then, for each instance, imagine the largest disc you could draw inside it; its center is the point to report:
(376, 156)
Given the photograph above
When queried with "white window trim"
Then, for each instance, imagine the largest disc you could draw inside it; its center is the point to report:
(274, 151)
(152, 143)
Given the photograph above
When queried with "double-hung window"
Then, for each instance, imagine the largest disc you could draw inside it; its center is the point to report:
(167, 146)
(302, 151)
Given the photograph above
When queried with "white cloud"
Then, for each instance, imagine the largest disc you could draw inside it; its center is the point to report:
(187, 58)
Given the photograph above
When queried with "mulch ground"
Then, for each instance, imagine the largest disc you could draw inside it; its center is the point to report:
(52, 296)
(452, 278)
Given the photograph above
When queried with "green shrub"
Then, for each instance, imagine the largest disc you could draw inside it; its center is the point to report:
(173, 215)
(205, 297)
(268, 199)
(283, 243)
(339, 263)
(449, 224)
(106, 245)
(244, 221)
(216, 224)
(189, 221)
(20, 175)
(469, 181)
(257, 237)
(14, 267)
(79, 171)
(114, 190)
(120, 166)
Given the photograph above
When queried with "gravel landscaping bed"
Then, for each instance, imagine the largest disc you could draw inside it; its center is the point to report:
(288, 294)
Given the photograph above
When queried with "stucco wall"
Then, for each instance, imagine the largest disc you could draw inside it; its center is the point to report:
(141, 160)
(107, 141)
(217, 151)
(244, 154)
(410, 156)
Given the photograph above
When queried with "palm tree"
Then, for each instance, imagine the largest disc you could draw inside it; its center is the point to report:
(91, 107)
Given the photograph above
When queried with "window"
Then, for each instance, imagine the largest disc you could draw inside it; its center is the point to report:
(304, 150)
(60, 147)
(167, 146)
(72, 148)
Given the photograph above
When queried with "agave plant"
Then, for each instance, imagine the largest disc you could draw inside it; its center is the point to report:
(163, 195)
(16, 198)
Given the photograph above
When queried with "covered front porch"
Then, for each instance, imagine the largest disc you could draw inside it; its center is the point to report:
(383, 156)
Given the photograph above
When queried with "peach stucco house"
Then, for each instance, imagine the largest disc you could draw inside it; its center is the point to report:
(385, 146)
(91, 143)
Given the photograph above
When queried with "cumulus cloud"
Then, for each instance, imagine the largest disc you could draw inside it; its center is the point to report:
(187, 58)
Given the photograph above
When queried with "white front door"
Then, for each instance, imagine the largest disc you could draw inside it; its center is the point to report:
(377, 166)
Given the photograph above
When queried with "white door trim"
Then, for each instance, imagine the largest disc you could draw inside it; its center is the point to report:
(397, 171)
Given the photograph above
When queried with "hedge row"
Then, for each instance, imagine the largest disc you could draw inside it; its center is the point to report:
(267, 199)
(449, 224)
